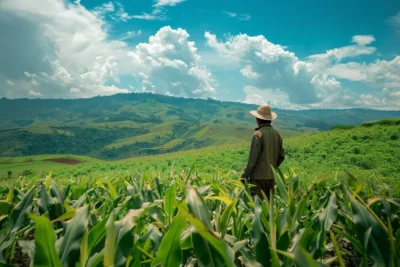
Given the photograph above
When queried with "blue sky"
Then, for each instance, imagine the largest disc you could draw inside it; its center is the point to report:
(291, 54)
(307, 27)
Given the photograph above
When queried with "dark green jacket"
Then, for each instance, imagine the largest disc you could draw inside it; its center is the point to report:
(266, 149)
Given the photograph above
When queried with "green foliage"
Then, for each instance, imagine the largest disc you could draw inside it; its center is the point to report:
(70, 245)
(102, 213)
(169, 253)
(212, 221)
(45, 252)
(125, 125)
(342, 127)
(387, 122)
(371, 153)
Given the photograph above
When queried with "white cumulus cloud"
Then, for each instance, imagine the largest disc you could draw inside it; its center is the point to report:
(276, 74)
(105, 8)
(271, 64)
(161, 3)
(66, 50)
(61, 45)
(113, 10)
(248, 72)
(74, 90)
(274, 97)
(147, 16)
(29, 75)
(159, 10)
(33, 93)
(9, 82)
(130, 34)
(320, 62)
(243, 16)
(363, 40)
(395, 21)
(380, 74)
(170, 56)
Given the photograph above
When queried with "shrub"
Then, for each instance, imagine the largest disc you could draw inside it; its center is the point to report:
(26, 172)
(355, 150)
(394, 136)
(342, 127)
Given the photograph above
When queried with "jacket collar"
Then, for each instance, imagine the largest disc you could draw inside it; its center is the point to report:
(263, 125)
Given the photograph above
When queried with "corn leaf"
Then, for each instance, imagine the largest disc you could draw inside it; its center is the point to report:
(18, 214)
(197, 206)
(109, 248)
(205, 252)
(225, 218)
(96, 235)
(66, 216)
(337, 250)
(112, 190)
(45, 238)
(283, 192)
(5, 207)
(377, 248)
(260, 241)
(96, 259)
(124, 240)
(70, 246)
(303, 259)
(169, 252)
(10, 195)
(329, 214)
(210, 249)
(225, 199)
(84, 250)
(45, 202)
(169, 201)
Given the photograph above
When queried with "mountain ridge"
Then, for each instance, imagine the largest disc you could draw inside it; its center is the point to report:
(124, 125)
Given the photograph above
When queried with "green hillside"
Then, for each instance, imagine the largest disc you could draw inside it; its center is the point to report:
(370, 151)
(126, 125)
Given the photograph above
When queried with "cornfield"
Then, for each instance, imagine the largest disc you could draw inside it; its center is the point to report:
(188, 220)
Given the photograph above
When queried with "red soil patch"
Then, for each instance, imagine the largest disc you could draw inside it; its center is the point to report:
(65, 161)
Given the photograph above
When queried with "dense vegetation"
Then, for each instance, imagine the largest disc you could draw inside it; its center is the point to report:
(196, 220)
(188, 208)
(370, 151)
(125, 125)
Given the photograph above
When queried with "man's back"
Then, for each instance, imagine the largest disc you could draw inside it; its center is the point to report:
(266, 152)
(271, 153)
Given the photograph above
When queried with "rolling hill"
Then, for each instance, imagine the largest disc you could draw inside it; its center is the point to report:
(371, 152)
(126, 125)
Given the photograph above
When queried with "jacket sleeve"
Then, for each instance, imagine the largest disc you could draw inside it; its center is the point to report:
(255, 150)
(281, 156)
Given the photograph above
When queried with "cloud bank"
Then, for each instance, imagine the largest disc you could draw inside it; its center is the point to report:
(278, 76)
(64, 50)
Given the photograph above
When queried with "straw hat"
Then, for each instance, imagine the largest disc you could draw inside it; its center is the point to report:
(264, 112)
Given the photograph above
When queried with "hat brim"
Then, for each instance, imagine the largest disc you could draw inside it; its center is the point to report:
(271, 117)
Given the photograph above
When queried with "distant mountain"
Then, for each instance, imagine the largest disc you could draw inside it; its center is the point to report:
(126, 125)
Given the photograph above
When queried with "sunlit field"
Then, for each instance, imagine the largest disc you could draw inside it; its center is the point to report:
(190, 207)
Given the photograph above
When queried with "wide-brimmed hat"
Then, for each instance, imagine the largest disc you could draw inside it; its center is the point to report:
(264, 112)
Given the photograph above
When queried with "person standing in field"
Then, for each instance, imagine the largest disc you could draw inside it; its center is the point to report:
(266, 152)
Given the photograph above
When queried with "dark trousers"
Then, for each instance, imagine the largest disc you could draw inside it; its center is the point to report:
(266, 186)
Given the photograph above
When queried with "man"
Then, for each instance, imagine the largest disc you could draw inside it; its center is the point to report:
(266, 152)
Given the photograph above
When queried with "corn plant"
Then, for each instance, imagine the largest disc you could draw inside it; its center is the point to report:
(189, 220)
